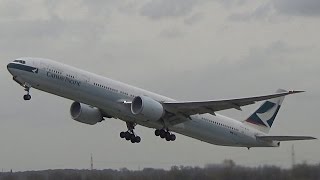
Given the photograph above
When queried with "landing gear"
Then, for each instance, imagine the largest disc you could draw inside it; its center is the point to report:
(165, 134)
(130, 135)
(27, 96)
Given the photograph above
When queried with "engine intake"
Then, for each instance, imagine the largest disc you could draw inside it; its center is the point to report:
(85, 114)
(148, 108)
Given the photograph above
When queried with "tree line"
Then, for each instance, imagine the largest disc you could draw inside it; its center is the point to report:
(226, 171)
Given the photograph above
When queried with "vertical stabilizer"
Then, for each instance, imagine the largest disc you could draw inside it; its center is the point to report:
(263, 118)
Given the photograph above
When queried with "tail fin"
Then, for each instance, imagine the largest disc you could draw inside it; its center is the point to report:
(263, 118)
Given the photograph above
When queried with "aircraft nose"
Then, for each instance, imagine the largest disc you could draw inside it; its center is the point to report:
(9, 67)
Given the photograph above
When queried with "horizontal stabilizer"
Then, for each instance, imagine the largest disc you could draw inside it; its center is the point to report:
(285, 138)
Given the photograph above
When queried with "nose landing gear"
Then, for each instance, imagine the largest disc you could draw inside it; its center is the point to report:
(27, 96)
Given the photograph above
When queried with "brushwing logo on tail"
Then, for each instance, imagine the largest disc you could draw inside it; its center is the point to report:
(266, 114)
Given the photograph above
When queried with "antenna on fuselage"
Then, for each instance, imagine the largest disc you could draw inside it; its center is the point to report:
(293, 158)
(91, 162)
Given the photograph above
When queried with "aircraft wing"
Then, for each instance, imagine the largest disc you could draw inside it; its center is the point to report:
(285, 138)
(200, 107)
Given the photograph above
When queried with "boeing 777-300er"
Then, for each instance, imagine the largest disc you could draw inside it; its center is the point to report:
(96, 97)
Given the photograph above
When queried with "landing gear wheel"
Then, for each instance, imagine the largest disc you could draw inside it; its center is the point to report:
(137, 139)
(132, 136)
(27, 97)
(127, 136)
(157, 132)
(122, 134)
(162, 133)
(165, 134)
(172, 137)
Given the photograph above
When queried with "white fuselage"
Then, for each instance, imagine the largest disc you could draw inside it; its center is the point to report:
(108, 95)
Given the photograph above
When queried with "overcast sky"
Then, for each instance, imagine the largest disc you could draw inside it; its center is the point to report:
(183, 49)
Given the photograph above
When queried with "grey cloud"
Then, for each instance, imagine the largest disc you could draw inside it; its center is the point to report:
(103, 7)
(130, 7)
(232, 3)
(260, 13)
(32, 29)
(242, 74)
(25, 37)
(157, 9)
(278, 47)
(193, 19)
(297, 7)
(274, 54)
(40, 33)
(97, 7)
(171, 33)
(11, 9)
(271, 9)
(53, 26)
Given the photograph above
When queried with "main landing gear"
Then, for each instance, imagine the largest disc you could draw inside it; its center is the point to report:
(27, 96)
(130, 135)
(164, 133)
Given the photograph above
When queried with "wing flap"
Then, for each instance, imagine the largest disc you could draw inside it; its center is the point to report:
(285, 138)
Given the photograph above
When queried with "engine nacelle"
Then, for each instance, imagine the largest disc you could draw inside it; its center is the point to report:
(85, 113)
(148, 108)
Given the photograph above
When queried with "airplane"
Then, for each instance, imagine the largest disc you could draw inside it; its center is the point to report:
(96, 98)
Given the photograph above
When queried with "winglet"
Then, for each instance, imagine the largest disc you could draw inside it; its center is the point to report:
(294, 92)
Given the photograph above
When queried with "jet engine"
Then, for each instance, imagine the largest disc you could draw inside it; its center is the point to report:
(147, 108)
(85, 113)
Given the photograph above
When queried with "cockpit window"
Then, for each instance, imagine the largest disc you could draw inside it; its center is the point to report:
(20, 61)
